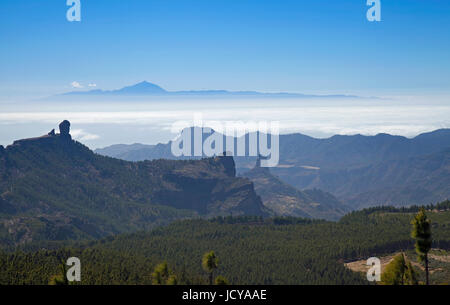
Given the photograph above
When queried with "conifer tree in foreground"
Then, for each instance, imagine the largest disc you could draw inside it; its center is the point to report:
(220, 280)
(422, 233)
(160, 275)
(210, 263)
(399, 272)
(59, 279)
(172, 280)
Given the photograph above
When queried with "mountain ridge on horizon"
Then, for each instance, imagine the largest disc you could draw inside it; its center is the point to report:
(340, 164)
(123, 148)
(146, 88)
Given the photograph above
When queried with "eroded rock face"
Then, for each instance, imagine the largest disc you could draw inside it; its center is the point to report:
(64, 129)
(208, 186)
(228, 164)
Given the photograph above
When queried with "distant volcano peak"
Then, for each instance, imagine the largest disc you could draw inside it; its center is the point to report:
(146, 88)
(142, 87)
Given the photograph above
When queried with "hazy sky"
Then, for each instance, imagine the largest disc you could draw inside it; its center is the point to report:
(318, 46)
(315, 47)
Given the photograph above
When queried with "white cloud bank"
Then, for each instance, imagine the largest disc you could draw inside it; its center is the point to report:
(81, 135)
(76, 85)
(152, 122)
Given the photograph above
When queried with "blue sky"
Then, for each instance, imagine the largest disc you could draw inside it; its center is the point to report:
(318, 46)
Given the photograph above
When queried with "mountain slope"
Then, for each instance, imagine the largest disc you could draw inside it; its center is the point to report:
(286, 200)
(359, 170)
(52, 187)
(140, 88)
(120, 151)
(344, 152)
(337, 152)
(415, 180)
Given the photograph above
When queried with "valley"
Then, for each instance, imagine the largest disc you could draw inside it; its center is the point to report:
(360, 171)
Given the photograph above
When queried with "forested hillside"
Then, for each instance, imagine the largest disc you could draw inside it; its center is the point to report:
(251, 250)
(54, 188)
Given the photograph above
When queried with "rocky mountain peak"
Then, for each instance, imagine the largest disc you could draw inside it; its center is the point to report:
(64, 129)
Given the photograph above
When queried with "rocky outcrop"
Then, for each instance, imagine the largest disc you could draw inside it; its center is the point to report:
(64, 129)
(228, 164)
(210, 187)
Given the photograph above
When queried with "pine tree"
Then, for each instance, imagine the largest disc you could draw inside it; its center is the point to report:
(59, 279)
(209, 263)
(172, 280)
(161, 274)
(399, 272)
(411, 275)
(422, 233)
(220, 280)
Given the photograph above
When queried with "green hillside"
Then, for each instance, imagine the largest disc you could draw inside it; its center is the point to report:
(54, 188)
(251, 250)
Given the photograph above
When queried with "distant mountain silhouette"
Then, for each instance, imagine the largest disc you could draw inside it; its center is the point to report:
(142, 88)
(357, 169)
(149, 89)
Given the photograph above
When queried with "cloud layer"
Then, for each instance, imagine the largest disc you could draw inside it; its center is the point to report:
(152, 122)
(81, 135)
(76, 85)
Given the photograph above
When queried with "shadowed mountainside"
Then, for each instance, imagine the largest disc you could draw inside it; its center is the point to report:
(55, 188)
(360, 171)
(286, 200)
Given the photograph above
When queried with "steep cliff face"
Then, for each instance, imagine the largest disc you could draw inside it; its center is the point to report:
(208, 186)
(52, 187)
